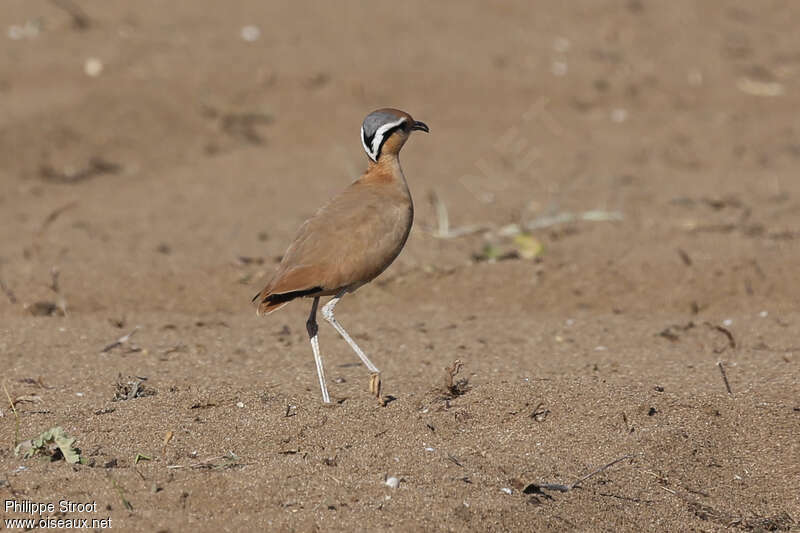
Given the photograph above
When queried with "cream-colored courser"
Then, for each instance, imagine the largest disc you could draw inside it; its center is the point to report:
(352, 238)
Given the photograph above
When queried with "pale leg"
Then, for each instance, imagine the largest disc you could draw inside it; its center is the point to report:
(327, 313)
(311, 327)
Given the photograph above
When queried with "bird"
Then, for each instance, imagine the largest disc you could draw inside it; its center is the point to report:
(351, 239)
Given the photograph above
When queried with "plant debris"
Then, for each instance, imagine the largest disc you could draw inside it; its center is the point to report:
(452, 387)
(120, 341)
(728, 336)
(8, 292)
(132, 388)
(673, 333)
(54, 443)
(45, 308)
(779, 522)
(80, 20)
(540, 413)
(141, 457)
(222, 462)
(724, 377)
(27, 398)
(97, 166)
(536, 488)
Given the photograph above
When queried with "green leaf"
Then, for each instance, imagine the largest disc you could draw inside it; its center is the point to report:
(528, 246)
(491, 252)
(47, 441)
(141, 457)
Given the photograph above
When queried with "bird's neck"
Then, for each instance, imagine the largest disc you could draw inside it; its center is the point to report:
(387, 169)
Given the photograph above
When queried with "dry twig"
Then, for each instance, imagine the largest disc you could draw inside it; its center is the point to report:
(16, 416)
(119, 342)
(724, 377)
(443, 230)
(537, 487)
(80, 20)
(8, 292)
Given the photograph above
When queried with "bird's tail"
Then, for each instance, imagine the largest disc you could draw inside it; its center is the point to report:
(269, 301)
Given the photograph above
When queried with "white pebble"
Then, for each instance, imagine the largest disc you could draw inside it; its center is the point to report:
(507, 490)
(78, 394)
(392, 482)
(93, 67)
(619, 115)
(428, 449)
(250, 33)
(240, 405)
(15, 33)
(600, 348)
(727, 322)
(30, 30)
(763, 314)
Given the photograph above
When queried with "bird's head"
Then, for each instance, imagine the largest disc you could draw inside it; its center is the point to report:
(385, 131)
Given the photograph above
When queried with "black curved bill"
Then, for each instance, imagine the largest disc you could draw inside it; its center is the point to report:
(420, 126)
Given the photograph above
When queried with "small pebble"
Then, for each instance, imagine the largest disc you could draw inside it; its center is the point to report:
(727, 322)
(600, 348)
(559, 68)
(250, 33)
(507, 490)
(763, 314)
(30, 30)
(619, 115)
(15, 33)
(240, 405)
(93, 67)
(428, 449)
(392, 482)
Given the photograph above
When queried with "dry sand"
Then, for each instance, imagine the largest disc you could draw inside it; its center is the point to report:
(162, 189)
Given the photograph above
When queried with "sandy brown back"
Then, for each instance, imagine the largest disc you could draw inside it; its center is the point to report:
(347, 243)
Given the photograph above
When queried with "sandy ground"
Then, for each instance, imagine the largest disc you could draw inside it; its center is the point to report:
(652, 148)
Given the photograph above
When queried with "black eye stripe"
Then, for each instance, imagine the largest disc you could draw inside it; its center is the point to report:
(388, 133)
(367, 138)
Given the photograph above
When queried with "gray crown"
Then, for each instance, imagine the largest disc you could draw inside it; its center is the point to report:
(376, 129)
